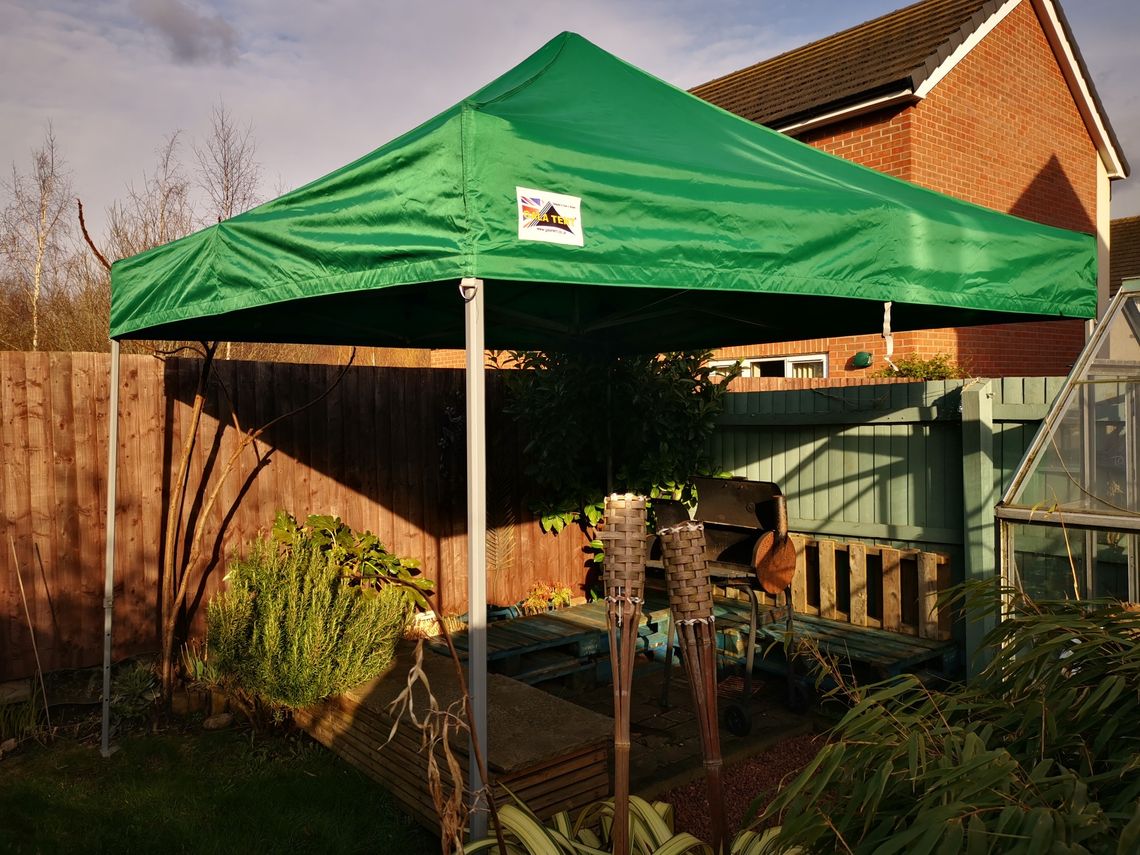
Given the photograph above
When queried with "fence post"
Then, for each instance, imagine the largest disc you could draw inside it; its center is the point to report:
(979, 496)
(109, 555)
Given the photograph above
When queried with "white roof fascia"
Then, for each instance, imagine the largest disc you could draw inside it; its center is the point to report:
(1086, 104)
(903, 96)
(968, 45)
(1066, 60)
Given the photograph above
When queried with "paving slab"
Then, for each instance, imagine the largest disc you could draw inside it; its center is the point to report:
(666, 748)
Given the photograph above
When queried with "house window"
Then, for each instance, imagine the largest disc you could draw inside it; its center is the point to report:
(807, 365)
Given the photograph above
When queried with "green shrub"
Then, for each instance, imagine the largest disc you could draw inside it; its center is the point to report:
(292, 627)
(359, 555)
(1041, 753)
(938, 367)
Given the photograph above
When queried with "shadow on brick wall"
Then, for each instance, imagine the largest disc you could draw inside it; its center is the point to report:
(1051, 199)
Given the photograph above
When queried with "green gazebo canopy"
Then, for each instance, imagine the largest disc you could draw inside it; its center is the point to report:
(603, 208)
(586, 204)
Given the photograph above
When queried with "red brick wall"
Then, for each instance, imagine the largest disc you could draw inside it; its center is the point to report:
(882, 140)
(1000, 130)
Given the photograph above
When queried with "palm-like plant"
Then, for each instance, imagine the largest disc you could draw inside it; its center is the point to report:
(1040, 754)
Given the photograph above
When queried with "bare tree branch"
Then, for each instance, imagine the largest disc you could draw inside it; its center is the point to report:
(190, 567)
(157, 212)
(87, 237)
(168, 606)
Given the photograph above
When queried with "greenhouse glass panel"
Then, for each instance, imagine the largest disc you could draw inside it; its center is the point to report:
(1056, 563)
(1085, 461)
(1070, 520)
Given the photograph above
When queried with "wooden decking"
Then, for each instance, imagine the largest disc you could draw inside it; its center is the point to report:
(886, 653)
(548, 751)
(535, 648)
(541, 647)
(551, 753)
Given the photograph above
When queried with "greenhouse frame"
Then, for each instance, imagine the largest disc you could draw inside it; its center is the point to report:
(1069, 523)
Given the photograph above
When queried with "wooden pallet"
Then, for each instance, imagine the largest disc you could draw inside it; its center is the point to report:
(867, 585)
(541, 647)
(887, 653)
(862, 584)
(549, 752)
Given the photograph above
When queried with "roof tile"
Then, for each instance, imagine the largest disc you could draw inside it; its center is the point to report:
(895, 51)
(1124, 251)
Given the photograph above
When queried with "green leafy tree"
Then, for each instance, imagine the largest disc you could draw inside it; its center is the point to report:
(639, 422)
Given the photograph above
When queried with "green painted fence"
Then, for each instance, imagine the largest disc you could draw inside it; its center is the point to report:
(912, 464)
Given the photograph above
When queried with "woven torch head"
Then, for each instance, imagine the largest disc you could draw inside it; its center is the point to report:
(686, 571)
(623, 532)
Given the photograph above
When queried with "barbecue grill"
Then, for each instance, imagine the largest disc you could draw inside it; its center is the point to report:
(736, 514)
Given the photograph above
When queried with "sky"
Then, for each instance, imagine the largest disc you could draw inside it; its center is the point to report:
(322, 83)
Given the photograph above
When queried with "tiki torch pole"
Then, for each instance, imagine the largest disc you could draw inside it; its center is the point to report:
(691, 601)
(623, 534)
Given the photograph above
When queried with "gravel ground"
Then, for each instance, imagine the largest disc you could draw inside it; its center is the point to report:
(758, 776)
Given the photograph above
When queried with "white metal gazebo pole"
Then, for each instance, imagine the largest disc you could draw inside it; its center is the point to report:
(472, 292)
(109, 557)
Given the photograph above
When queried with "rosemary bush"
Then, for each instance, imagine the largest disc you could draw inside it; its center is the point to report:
(292, 628)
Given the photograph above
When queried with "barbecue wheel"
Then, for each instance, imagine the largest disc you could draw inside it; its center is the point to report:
(799, 696)
(737, 720)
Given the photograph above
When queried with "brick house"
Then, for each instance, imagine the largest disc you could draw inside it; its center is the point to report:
(1125, 251)
(987, 101)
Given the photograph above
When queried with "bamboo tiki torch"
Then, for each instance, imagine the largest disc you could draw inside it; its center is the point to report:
(691, 602)
(624, 534)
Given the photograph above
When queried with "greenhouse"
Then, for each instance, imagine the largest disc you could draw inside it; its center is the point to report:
(1069, 521)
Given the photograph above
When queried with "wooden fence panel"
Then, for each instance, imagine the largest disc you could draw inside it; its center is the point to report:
(882, 462)
(384, 451)
(879, 461)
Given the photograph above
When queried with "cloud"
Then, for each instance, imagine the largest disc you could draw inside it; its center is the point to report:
(193, 37)
(323, 83)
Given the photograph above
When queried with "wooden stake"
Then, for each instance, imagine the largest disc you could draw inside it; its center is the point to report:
(31, 630)
(691, 607)
(623, 533)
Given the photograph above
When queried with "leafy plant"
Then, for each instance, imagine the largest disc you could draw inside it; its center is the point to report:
(20, 719)
(543, 597)
(651, 832)
(648, 417)
(197, 667)
(134, 691)
(294, 626)
(938, 367)
(360, 556)
(1039, 754)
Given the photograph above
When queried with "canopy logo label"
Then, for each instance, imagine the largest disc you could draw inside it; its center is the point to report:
(549, 217)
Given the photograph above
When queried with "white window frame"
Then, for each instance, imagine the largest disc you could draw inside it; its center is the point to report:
(715, 366)
(748, 364)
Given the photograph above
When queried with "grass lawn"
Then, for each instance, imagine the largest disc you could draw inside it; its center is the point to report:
(197, 792)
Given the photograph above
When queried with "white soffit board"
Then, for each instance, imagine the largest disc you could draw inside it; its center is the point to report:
(901, 97)
(1070, 69)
